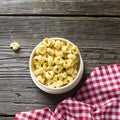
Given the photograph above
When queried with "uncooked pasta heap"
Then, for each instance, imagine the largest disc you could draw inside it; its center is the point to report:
(55, 62)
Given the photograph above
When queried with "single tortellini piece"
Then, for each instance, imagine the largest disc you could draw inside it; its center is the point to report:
(41, 50)
(64, 74)
(49, 67)
(69, 47)
(37, 65)
(72, 56)
(49, 81)
(67, 63)
(58, 60)
(45, 66)
(50, 60)
(40, 59)
(57, 68)
(68, 79)
(64, 49)
(15, 46)
(74, 50)
(59, 83)
(38, 71)
(76, 66)
(50, 51)
(59, 53)
(58, 77)
(41, 79)
(58, 44)
(48, 42)
(69, 70)
(74, 73)
(49, 74)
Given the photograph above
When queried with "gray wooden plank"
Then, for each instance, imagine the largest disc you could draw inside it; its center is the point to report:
(97, 39)
(6, 118)
(60, 7)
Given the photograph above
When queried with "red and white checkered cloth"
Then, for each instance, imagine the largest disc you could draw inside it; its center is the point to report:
(98, 99)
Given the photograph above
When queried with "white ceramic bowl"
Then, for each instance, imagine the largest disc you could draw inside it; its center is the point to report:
(60, 90)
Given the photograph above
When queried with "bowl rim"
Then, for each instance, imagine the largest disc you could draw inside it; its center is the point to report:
(38, 84)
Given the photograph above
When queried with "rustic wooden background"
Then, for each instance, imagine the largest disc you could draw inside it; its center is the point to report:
(93, 25)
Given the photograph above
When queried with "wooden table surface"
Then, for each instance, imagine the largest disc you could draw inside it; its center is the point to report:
(93, 25)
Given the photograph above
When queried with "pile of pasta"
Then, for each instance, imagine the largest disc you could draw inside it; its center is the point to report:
(55, 62)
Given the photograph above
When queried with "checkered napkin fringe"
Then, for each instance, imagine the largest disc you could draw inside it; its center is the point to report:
(98, 99)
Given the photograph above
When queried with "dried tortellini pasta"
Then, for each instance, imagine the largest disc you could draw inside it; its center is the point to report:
(15, 46)
(55, 62)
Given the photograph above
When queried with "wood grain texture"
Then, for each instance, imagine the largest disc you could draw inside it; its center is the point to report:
(60, 7)
(6, 118)
(97, 38)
